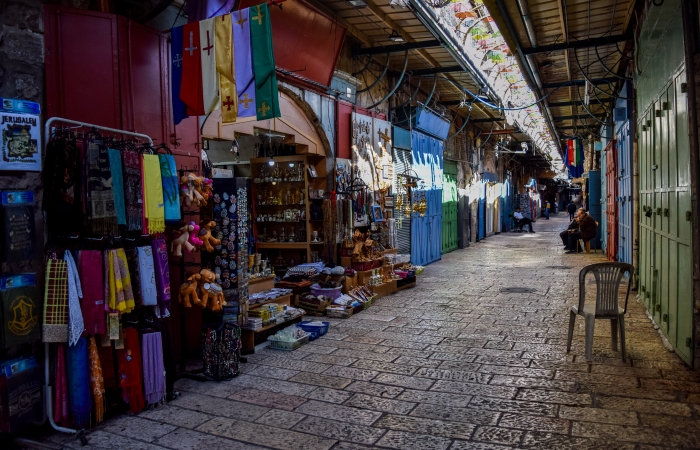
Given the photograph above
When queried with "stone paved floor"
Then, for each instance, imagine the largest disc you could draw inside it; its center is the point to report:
(452, 364)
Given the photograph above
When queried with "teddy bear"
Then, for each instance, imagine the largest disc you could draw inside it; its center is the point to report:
(209, 289)
(182, 239)
(188, 291)
(205, 235)
(199, 198)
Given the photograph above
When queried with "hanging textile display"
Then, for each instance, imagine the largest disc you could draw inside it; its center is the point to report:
(153, 368)
(210, 76)
(171, 188)
(153, 208)
(102, 216)
(191, 84)
(162, 272)
(243, 58)
(147, 276)
(121, 295)
(62, 178)
(224, 68)
(75, 293)
(19, 310)
(132, 259)
(221, 349)
(115, 165)
(97, 382)
(130, 371)
(55, 325)
(61, 413)
(179, 108)
(266, 94)
(79, 397)
(92, 305)
(133, 195)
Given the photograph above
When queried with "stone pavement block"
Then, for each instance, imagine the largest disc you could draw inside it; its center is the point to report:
(431, 427)
(342, 430)
(550, 441)
(599, 415)
(137, 428)
(327, 380)
(418, 362)
(538, 383)
(436, 398)
(646, 406)
(172, 415)
(404, 381)
(352, 373)
(513, 406)
(183, 439)
(548, 396)
(665, 422)
(272, 372)
(365, 339)
(469, 415)
(286, 363)
(338, 412)
(535, 423)
(386, 357)
(268, 399)
(411, 441)
(401, 369)
(280, 418)
(102, 440)
(380, 404)
(376, 389)
(220, 407)
(331, 359)
(469, 445)
(619, 433)
(453, 375)
(517, 371)
(474, 389)
(597, 378)
(634, 392)
(671, 385)
(497, 435)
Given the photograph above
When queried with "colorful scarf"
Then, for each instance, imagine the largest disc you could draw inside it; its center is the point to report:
(79, 383)
(115, 164)
(102, 216)
(97, 382)
(132, 258)
(109, 372)
(55, 324)
(147, 276)
(153, 208)
(153, 368)
(121, 296)
(162, 271)
(171, 189)
(130, 371)
(61, 414)
(92, 281)
(76, 326)
(133, 194)
(62, 179)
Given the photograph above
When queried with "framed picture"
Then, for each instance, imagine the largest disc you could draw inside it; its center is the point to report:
(377, 214)
(312, 172)
(388, 214)
(388, 202)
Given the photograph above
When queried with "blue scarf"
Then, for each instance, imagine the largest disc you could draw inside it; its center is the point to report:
(79, 383)
(115, 166)
(171, 191)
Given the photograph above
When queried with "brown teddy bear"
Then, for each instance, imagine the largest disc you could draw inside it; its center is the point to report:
(205, 235)
(199, 194)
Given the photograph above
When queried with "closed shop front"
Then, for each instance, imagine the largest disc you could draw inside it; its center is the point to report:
(449, 207)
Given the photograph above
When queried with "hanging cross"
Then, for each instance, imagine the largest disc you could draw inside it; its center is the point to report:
(178, 60)
(208, 49)
(191, 48)
(385, 138)
(259, 17)
(228, 103)
(246, 101)
(241, 21)
(264, 109)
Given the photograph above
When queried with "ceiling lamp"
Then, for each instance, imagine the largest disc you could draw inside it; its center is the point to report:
(356, 3)
(396, 37)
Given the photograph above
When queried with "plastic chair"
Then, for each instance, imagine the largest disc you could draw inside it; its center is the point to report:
(608, 277)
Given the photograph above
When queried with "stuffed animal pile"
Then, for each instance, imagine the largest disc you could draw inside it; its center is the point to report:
(201, 289)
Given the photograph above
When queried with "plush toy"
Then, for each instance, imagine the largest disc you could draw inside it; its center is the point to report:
(187, 189)
(209, 289)
(183, 236)
(199, 198)
(188, 291)
(194, 239)
(205, 235)
(208, 190)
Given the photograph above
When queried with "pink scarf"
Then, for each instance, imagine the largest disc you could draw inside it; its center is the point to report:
(93, 302)
(61, 413)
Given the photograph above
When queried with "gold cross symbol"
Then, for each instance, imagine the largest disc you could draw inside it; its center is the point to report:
(241, 21)
(264, 109)
(246, 101)
(259, 17)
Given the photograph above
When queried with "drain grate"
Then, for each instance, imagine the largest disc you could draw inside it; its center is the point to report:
(559, 267)
(517, 290)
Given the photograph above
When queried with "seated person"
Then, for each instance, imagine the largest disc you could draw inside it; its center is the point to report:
(586, 230)
(573, 226)
(522, 220)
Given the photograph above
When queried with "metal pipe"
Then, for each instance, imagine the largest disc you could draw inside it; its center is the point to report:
(47, 128)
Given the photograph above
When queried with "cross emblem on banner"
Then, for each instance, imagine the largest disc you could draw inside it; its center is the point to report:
(209, 46)
(264, 109)
(178, 60)
(241, 21)
(246, 101)
(259, 17)
(228, 103)
(191, 48)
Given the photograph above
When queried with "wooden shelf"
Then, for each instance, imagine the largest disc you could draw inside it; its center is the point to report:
(316, 243)
(282, 245)
(259, 280)
(284, 300)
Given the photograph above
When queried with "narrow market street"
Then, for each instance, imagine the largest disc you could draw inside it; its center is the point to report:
(473, 358)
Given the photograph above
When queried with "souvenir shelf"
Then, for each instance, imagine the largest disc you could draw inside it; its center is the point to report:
(286, 200)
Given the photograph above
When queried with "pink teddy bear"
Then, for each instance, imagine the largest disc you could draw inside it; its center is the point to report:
(194, 240)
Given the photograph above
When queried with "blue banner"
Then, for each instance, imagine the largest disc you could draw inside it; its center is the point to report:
(179, 108)
(243, 57)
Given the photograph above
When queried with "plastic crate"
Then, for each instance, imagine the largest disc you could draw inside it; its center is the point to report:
(288, 345)
(340, 313)
(328, 292)
(313, 329)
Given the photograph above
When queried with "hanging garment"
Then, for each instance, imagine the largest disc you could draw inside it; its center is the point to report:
(221, 351)
(121, 296)
(130, 371)
(210, 77)
(115, 165)
(61, 414)
(55, 324)
(147, 276)
(179, 108)
(93, 284)
(133, 195)
(224, 68)
(153, 368)
(76, 326)
(109, 372)
(132, 259)
(243, 58)
(153, 208)
(79, 397)
(266, 94)
(162, 271)
(171, 187)
(102, 216)
(62, 178)
(97, 382)
(20, 316)
(191, 84)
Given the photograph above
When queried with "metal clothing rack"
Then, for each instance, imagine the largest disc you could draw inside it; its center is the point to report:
(48, 411)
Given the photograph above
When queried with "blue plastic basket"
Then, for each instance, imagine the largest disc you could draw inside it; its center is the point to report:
(314, 330)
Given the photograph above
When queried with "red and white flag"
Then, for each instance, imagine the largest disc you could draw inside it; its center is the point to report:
(191, 85)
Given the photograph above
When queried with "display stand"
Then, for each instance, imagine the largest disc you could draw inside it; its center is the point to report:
(47, 388)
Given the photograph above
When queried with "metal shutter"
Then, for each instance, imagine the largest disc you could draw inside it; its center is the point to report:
(402, 163)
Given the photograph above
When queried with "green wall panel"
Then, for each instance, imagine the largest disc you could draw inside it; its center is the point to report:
(449, 207)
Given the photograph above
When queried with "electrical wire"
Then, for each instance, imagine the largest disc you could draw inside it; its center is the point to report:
(596, 87)
(606, 67)
(466, 120)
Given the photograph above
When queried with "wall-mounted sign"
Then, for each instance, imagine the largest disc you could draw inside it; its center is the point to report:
(20, 135)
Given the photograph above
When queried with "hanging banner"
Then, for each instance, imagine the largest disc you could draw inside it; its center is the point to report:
(243, 57)
(266, 95)
(21, 135)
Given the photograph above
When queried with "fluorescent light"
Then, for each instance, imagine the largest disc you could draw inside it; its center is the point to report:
(396, 37)
(356, 3)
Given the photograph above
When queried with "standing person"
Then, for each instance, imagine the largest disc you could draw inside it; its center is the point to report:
(523, 220)
(556, 207)
(571, 208)
(546, 210)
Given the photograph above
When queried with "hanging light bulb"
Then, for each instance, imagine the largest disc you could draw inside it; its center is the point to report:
(271, 162)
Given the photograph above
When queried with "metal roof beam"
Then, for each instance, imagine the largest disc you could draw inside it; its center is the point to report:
(579, 102)
(572, 45)
(437, 70)
(398, 48)
(579, 82)
(580, 116)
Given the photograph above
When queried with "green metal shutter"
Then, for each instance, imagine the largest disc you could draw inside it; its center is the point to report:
(449, 207)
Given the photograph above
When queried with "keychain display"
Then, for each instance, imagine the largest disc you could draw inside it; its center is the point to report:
(19, 243)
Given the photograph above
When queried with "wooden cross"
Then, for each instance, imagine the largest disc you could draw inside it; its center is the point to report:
(241, 21)
(385, 138)
(259, 17)
(191, 48)
(208, 49)
(264, 109)
(245, 100)
(228, 103)
(178, 60)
